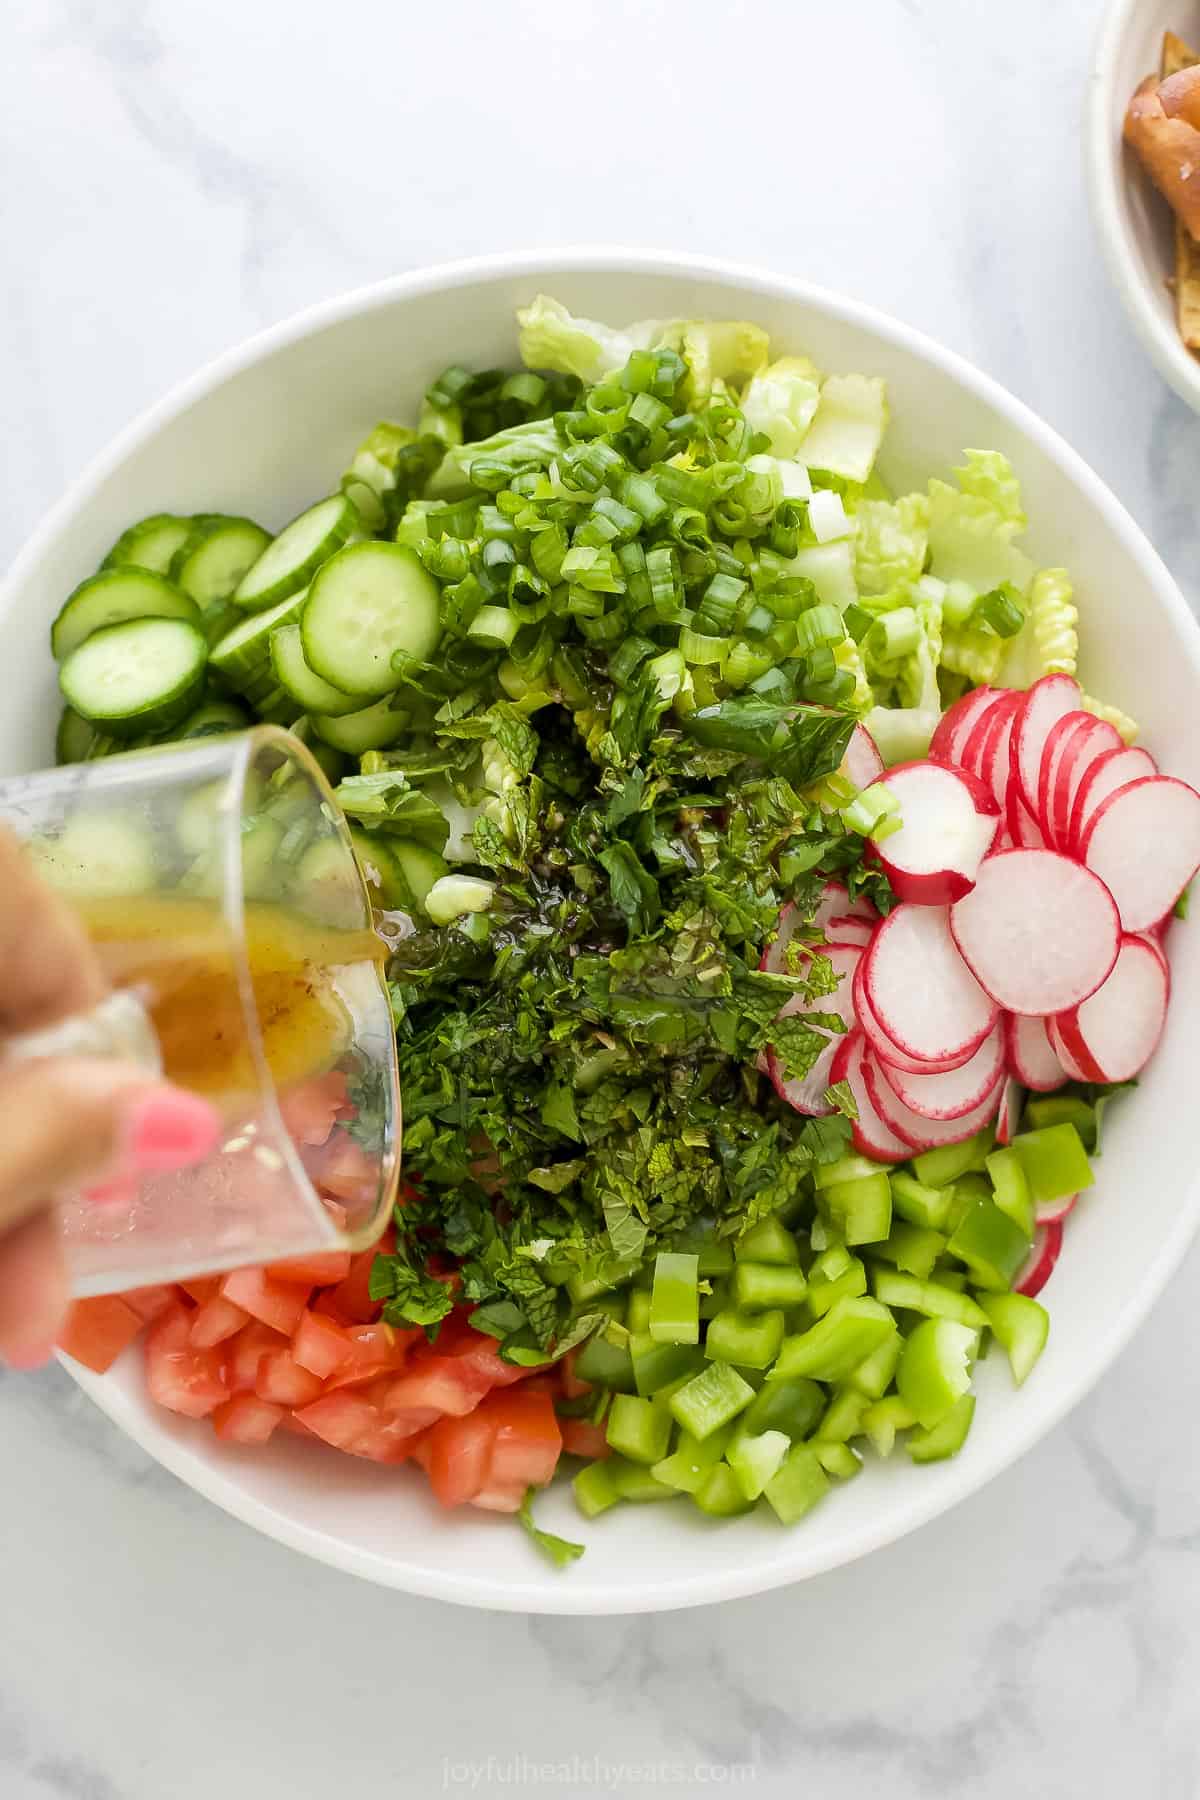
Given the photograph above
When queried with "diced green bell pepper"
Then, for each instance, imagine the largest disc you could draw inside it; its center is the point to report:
(637, 1316)
(839, 1460)
(849, 1332)
(947, 1437)
(846, 1168)
(929, 1297)
(749, 1340)
(1063, 1109)
(1010, 1189)
(675, 1298)
(990, 1244)
(1055, 1162)
(754, 1457)
(874, 1374)
(941, 1167)
(1021, 1326)
(797, 1485)
(843, 1416)
(720, 1494)
(634, 1481)
(921, 1204)
(824, 1292)
(859, 1211)
(933, 1371)
(638, 1429)
(606, 1364)
(691, 1459)
(788, 1406)
(912, 1248)
(883, 1419)
(719, 1296)
(594, 1490)
(710, 1399)
(769, 1241)
(656, 1366)
(760, 1286)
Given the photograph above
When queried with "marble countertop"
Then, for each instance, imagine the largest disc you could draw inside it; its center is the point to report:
(178, 175)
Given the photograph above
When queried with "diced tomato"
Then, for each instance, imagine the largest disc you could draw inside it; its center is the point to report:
(215, 1321)
(96, 1331)
(499, 1499)
(180, 1377)
(457, 1454)
(572, 1387)
(528, 1439)
(282, 1381)
(326, 1305)
(246, 1419)
(354, 1423)
(581, 1438)
(373, 1350)
(244, 1353)
(201, 1287)
(352, 1296)
(348, 1173)
(319, 1345)
(309, 1109)
(292, 1424)
(149, 1302)
(279, 1304)
(319, 1269)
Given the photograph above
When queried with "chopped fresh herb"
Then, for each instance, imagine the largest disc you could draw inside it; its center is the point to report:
(561, 1551)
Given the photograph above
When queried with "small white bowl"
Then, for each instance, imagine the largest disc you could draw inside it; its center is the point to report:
(268, 427)
(1134, 221)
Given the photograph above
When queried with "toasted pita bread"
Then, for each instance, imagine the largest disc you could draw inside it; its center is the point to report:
(1177, 55)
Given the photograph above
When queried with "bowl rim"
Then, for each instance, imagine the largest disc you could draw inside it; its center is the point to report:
(1107, 173)
(795, 1561)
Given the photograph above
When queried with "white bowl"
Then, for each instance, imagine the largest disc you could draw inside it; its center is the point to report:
(1133, 220)
(265, 429)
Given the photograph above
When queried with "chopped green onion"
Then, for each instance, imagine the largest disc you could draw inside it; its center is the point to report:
(1002, 610)
(666, 582)
(696, 648)
(873, 813)
(648, 412)
(893, 636)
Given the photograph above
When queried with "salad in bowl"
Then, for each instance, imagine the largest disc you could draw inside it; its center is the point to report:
(780, 916)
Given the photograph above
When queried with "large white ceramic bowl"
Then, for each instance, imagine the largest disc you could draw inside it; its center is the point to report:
(1132, 218)
(265, 429)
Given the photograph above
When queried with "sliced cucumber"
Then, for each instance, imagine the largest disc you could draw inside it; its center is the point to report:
(213, 719)
(150, 544)
(99, 854)
(325, 886)
(262, 871)
(368, 602)
(214, 558)
(75, 737)
(304, 685)
(387, 887)
(289, 563)
(145, 675)
(331, 762)
(355, 733)
(419, 866)
(111, 598)
(242, 657)
(219, 619)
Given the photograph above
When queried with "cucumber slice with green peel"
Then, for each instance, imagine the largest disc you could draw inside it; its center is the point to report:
(75, 737)
(99, 854)
(325, 886)
(331, 762)
(215, 558)
(151, 543)
(145, 675)
(387, 887)
(242, 657)
(419, 868)
(365, 604)
(290, 561)
(214, 719)
(219, 619)
(372, 729)
(111, 598)
(304, 685)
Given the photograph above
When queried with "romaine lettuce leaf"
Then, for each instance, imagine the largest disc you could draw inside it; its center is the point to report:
(972, 526)
(782, 401)
(830, 568)
(1113, 715)
(848, 426)
(533, 444)
(891, 543)
(551, 338)
(720, 351)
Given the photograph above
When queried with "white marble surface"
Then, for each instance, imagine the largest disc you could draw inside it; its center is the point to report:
(177, 173)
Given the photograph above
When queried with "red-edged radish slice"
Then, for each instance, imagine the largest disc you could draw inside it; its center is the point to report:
(1031, 1056)
(774, 959)
(1113, 1035)
(1091, 740)
(1008, 1111)
(954, 726)
(862, 763)
(835, 902)
(996, 765)
(954, 1092)
(1115, 769)
(1039, 932)
(988, 725)
(1023, 829)
(850, 928)
(1053, 1212)
(1057, 745)
(1035, 1271)
(1154, 938)
(1044, 704)
(888, 1052)
(921, 991)
(1144, 844)
(1063, 1052)
(870, 1135)
(948, 820)
(807, 1093)
(914, 1128)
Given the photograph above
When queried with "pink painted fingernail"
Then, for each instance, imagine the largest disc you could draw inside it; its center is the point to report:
(169, 1129)
(31, 1356)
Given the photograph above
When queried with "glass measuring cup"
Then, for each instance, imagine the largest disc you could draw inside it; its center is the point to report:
(217, 882)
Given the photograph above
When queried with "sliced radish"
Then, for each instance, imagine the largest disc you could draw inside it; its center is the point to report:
(1023, 828)
(1063, 1052)
(871, 1136)
(862, 763)
(884, 1048)
(917, 1131)
(948, 820)
(1057, 744)
(1144, 844)
(1091, 739)
(1031, 1056)
(835, 902)
(1044, 704)
(807, 1093)
(954, 726)
(774, 959)
(1008, 1112)
(987, 727)
(1053, 1212)
(1038, 931)
(1115, 769)
(921, 991)
(955, 1092)
(1154, 938)
(1113, 1035)
(850, 928)
(996, 762)
(1035, 1271)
